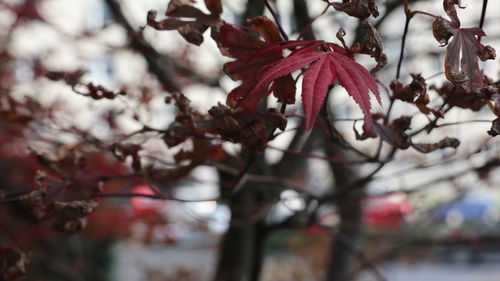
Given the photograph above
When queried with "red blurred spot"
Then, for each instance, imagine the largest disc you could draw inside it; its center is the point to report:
(144, 206)
(386, 212)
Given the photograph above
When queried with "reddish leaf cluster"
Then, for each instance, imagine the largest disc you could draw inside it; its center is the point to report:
(261, 66)
(326, 63)
(189, 125)
(461, 66)
(252, 55)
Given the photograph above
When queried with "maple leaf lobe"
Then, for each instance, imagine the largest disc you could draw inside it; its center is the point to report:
(327, 66)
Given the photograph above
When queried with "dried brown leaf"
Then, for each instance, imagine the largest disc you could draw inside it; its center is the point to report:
(361, 9)
(430, 147)
(371, 44)
(395, 132)
(459, 97)
(69, 217)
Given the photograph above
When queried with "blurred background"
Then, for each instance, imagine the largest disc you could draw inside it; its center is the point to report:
(424, 217)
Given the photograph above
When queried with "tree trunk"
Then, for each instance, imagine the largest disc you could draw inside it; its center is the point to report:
(241, 249)
(346, 241)
(238, 244)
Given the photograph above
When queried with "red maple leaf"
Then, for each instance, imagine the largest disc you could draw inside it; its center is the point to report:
(263, 69)
(461, 66)
(327, 63)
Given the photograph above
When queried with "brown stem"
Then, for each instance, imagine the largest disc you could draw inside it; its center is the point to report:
(151, 56)
(483, 15)
(276, 19)
(403, 40)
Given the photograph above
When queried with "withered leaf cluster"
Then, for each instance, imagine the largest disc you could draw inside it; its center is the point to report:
(463, 51)
(395, 132)
(254, 132)
(222, 122)
(73, 79)
(371, 44)
(186, 122)
(459, 97)
(188, 20)
(361, 9)
(70, 217)
(414, 93)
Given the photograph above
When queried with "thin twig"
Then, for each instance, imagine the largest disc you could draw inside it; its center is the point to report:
(403, 41)
(320, 157)
(462, 123)
(365, 262)
(337, 137)
(309, 25)
(150, 196)
(271, 10)
(429, 127)
(483, 16)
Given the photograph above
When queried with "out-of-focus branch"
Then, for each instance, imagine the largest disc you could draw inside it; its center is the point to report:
(301, 13)
(159, 64)
(276, 19)
(491, 164)
(365, 263)
(254, 8)
(154, 60)
(342, 260)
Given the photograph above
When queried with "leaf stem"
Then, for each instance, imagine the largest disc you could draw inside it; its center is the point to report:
(271, 10)
(308, 26)
(403, 41)
(424, 13)
(483, 15)
(336, 137)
